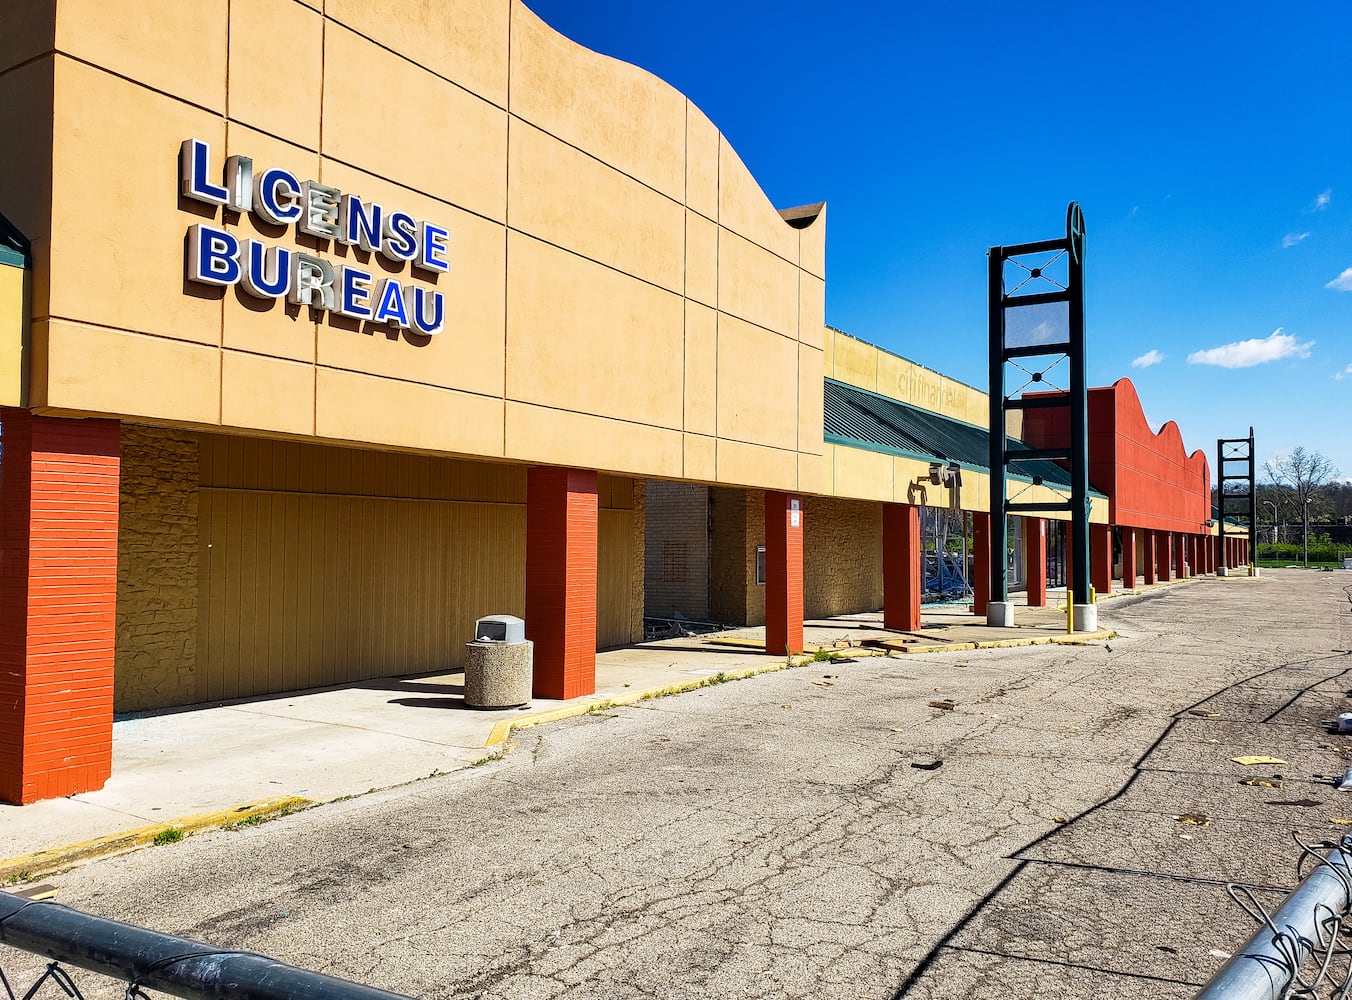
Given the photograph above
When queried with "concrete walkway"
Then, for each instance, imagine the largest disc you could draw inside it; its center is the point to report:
(195, 768)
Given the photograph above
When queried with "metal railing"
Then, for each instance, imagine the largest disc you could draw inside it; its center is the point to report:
(146, 959)
(1300, 950)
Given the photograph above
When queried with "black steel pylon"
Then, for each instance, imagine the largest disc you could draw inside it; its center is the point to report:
(1075, 399)
(1233, 451)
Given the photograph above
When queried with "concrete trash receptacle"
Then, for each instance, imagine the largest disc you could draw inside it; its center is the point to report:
(499, 664)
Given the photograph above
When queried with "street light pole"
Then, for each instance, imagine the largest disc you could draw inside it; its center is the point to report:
(1305, 536)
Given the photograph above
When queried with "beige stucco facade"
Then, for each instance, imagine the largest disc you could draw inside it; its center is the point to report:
(615, 271)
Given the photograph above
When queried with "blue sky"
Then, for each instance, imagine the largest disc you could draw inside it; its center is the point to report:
(1210, 146)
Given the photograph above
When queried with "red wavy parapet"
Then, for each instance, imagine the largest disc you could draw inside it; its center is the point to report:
(1150, 479)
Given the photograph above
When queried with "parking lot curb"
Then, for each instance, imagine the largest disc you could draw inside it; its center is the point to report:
(26, 867)
(506, 727)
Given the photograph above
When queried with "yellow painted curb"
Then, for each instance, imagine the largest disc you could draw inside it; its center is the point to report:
(25, 867)
(508, 726)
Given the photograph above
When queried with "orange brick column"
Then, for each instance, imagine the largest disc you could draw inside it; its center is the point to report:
(783, 573)
(901, 567)
(981, 563)
(1180, 556)
(561, 517)
(58, 602)
(1101, 558)
(1035, 561)
(1128, 558)
(1163, 556)
(1149, 563)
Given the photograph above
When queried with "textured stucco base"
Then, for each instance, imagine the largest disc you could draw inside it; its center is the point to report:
(156, 651)
(842, 557)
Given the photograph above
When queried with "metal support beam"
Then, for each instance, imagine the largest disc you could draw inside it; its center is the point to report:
(1234, 451)
(1075, 453)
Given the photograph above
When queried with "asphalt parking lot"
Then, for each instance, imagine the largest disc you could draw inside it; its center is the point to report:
(824, 831)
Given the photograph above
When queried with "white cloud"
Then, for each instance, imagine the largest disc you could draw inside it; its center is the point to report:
(1247, 353)
(1150, 357)
(1322, 201)
(1043, 333)
(1342, 283)
(1345, 373)
(1291, 239)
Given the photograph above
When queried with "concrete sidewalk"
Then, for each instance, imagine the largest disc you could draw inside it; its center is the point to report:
(195, 768)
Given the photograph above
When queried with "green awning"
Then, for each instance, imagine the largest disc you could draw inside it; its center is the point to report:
(858, 418)
(13, 246)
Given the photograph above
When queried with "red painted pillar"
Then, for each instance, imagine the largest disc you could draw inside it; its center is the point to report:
(783, 573)
(1128, 558)
(1035, 561)
(1163, 557)
(1149, 562)
(58, 604)
(901, 567)
(1101, 558)
(1181, 569)
(981, 563)
(561, 517)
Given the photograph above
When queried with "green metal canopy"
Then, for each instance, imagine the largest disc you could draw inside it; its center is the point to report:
(858, 418)
(13, 246)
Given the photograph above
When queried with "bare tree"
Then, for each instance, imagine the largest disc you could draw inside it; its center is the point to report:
(1306, 474)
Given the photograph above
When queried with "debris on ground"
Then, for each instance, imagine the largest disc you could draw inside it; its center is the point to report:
(1261, 782)
(1256, 759)
(1194, 819)
(927, 765)
(947, 704)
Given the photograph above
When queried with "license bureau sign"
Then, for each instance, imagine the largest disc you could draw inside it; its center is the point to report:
(216, 256)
